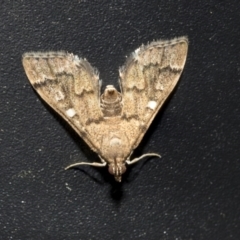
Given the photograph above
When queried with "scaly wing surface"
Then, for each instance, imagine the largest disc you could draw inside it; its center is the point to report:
(146, 80)
(71, 87)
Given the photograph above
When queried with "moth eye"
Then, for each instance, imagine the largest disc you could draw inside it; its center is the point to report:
(111, 169)
(123, 170)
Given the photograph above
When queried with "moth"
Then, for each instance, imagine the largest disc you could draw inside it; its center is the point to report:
(114, 123)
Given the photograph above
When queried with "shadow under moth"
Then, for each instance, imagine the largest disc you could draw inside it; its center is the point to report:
(114, 123)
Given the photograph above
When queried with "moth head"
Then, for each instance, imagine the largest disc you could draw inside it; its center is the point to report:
(117, 169)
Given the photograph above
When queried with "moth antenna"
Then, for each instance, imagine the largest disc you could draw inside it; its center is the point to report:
(129, 162)
(94, 164)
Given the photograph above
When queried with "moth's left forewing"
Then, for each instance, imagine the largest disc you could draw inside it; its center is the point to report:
(71, 87)
(147, 79)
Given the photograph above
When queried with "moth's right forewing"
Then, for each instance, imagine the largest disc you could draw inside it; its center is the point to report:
(147, 79)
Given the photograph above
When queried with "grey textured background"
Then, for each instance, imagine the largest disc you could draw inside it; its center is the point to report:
(192, 192)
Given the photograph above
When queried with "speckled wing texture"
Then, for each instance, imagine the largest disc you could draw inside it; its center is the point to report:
(113, 123)
(70, 86)
(147, 79)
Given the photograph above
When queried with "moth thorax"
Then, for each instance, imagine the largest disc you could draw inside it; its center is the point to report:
(117, 169)
(111, 102)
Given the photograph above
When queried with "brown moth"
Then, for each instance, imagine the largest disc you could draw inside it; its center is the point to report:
(114, 123)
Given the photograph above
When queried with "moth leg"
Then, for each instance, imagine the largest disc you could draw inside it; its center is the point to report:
(94, 164)
(102, 160)
(129, 162)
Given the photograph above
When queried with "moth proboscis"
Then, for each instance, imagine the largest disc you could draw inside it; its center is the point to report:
(114, 123)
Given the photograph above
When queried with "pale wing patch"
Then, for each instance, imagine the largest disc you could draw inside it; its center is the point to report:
(71, 112)
(152, 104)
